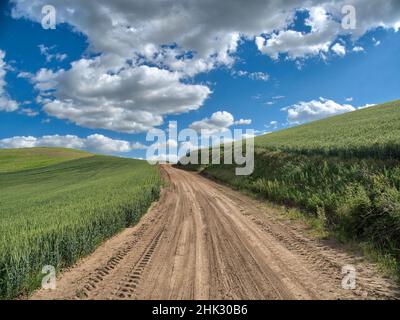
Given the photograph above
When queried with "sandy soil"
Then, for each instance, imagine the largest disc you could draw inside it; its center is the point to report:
(206, 241)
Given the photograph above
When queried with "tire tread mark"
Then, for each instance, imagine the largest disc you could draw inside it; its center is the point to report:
(127, 286)
(102, 272)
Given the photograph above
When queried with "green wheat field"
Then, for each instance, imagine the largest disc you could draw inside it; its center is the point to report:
(57, 205)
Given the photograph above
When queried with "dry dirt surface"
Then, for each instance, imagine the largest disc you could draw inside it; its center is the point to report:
(203, 240)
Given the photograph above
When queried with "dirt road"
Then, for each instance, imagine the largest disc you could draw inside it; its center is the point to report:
(205, 241)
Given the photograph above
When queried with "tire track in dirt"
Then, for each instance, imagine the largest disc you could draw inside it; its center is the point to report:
(203, 240)
(131, 281)
(102, 272)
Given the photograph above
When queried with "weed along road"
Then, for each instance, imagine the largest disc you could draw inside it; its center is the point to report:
(202, 240)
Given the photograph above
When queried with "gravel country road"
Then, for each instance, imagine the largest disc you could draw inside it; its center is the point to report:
(202, 240)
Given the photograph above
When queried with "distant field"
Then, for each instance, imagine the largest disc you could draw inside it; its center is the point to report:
(55, 214)
(343, 171)
(31, 158)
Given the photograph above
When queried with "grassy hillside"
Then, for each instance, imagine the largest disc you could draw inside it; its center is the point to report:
(56, 214)
(30, 158)
(343, 171)
(370, 132)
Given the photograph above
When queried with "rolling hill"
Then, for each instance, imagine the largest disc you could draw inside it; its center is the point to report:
(57, 205)
(31, 158)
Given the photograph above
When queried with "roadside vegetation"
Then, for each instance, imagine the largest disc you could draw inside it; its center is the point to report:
(343, 171)
(55, 214)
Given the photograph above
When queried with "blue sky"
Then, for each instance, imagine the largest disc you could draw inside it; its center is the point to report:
(247, 81)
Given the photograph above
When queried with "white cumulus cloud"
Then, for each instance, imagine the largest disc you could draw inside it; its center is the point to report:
(219, 122)
(339, 49)
(298, 44)
(358, 49)
(315, 109)
(133, 99)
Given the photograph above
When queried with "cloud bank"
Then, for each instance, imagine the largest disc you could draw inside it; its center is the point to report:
(94, 143)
